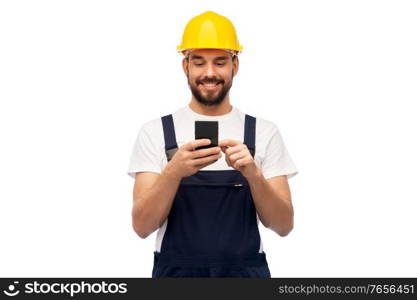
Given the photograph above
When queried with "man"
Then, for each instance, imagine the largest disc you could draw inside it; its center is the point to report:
(207, 209)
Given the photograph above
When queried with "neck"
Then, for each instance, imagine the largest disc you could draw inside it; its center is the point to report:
(215, 110)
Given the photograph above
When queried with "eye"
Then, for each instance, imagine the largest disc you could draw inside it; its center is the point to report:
(198, 63)
(220, 64)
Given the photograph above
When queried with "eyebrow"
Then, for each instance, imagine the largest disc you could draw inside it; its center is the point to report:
(221, 58)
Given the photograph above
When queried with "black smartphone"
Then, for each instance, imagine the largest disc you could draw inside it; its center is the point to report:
(207, 130)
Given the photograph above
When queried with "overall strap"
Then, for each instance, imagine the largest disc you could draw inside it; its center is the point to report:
(169, 136)
(250, 130)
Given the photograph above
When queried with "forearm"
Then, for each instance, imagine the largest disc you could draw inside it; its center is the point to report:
(153, 206)
(274, 210)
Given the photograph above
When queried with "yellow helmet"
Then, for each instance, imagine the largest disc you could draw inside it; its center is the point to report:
(210, 30)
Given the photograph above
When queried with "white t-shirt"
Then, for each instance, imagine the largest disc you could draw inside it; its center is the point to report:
(271, 155)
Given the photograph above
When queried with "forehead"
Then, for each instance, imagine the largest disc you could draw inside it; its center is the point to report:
(209, 53)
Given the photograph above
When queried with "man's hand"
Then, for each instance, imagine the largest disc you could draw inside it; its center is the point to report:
(187, 161)
(239, 157)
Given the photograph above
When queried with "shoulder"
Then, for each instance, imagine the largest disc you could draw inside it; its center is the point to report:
(152, 126)
(152, 131)
(265, 128)
(265, 125)
(262, 124)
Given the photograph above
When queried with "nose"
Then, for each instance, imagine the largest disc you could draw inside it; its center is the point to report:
(209, 72)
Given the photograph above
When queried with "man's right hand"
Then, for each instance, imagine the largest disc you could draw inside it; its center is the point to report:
(187, 161)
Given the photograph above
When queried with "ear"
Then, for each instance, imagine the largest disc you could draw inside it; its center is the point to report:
(185, 65)
(235, 65)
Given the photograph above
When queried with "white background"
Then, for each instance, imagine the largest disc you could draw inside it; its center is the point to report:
(79, 78)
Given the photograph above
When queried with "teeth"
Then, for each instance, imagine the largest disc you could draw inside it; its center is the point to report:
(210, 84)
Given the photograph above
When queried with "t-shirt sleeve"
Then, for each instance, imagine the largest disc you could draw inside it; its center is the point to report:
(277, 160)
(146, 155)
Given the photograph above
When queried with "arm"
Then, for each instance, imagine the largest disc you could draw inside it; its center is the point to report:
(153, 195)
(272, 198)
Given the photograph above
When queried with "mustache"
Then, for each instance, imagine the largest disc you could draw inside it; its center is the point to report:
(209, 80)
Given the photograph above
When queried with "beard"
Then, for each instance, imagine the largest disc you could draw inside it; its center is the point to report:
(213, 97)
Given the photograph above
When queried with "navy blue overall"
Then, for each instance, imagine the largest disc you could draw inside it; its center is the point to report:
(212, 228)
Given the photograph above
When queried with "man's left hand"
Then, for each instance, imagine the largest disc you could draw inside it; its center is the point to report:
(239, 157)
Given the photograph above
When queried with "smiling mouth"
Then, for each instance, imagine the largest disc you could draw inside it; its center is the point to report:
(209, 86)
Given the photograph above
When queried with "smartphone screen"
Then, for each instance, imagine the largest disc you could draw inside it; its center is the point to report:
(207, 130)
